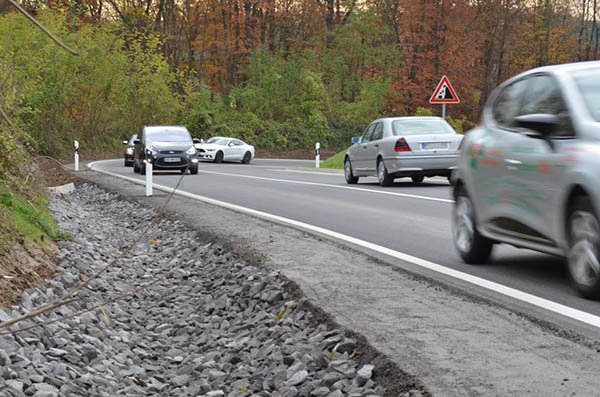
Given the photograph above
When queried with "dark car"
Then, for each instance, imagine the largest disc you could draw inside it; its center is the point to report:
(167, 148)
(128, 153)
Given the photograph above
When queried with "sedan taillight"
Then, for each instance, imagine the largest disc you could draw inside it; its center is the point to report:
(402, 146)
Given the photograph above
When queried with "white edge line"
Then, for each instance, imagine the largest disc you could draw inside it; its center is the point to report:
(543, 303)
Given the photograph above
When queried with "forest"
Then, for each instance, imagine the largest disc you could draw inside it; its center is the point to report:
(280, 74)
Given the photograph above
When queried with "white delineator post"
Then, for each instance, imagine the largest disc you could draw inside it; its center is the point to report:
(148, 170)
(76, 154)
(317, 155)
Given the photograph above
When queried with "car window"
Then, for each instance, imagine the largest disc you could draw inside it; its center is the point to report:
(133, 138)
(544, 96)
(166, 135)
(404, 127)
(237, 143)
(218, 141)
(508, 103)
(377, 132)
(367, 134)
(588, 84)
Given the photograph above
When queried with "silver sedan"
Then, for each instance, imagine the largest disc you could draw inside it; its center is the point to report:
(415, 147)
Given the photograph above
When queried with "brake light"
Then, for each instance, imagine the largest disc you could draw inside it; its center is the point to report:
(402, 146)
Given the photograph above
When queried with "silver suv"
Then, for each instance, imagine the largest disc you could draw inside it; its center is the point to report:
(529, 174)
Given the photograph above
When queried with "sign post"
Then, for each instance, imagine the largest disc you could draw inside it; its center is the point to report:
(148, 165)
(76, 153)
(444, 93)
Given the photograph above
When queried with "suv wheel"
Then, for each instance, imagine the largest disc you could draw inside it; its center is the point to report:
(384, 178)
(584, 244)
(472, 246)
(348, 174)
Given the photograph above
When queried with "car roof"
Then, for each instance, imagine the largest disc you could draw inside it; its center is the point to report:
(558, 69)
(408, 118)
(163, 128)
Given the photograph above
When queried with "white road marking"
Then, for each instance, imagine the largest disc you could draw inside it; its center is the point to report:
(575, 314)
(328, 185)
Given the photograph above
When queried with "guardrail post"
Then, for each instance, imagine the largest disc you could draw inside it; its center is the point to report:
(317, 155)
(148, 166)
(76, 154)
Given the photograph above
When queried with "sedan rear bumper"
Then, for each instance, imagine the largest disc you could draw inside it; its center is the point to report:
(427, 165)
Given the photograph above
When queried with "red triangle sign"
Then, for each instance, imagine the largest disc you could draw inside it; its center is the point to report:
(444, 93)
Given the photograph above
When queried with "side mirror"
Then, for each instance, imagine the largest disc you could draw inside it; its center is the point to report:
(124, 142)
(230, 144)
(541, 124)
(355, 139)
(196, 140)
(136, 142)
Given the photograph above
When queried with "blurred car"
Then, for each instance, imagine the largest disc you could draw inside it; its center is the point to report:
(529, 173)
(167, 148)
(415, 147)
(219, 149)
(128, 153)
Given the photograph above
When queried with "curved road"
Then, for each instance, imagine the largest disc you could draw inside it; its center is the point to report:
(412, 219)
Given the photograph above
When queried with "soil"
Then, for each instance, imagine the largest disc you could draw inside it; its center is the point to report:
(53, 173)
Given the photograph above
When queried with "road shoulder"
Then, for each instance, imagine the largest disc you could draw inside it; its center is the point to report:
(455, 345)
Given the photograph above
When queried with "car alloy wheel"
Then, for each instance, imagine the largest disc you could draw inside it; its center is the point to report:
(471, 245)
(382, 175)
(348, 174)
(464, 224)
(584, 266)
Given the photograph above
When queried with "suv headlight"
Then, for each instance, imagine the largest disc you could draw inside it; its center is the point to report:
(191, 151)
(129, 150)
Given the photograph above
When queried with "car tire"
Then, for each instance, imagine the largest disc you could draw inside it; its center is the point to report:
(135, 168)
(247, 158)
(584, 248)
(219, 157)
(470, 244)
(385, 179)
(194, 169)
(417, 178)
(349, 174)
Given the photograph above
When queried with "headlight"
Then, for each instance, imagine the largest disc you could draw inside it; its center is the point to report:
(191, 151)
(210, 150)
(129, 150)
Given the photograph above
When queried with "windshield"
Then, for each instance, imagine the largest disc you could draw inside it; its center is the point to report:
(217, 141)
(169, 136)
(588, 83)
(421, 127)
(133, 138)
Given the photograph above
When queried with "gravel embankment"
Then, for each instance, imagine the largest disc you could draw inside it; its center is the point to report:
(215, 326)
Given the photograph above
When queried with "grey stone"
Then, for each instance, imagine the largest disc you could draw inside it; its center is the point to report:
(364, 374)
(297, 378)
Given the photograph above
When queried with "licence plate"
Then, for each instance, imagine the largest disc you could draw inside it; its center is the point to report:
(171, 159)
(434, 145)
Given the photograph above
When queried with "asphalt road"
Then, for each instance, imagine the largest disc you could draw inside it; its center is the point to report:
(413, 219)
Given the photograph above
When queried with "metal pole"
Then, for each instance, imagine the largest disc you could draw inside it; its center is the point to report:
(444, 111)
(148, 169)
(317, 155)
(76, 154)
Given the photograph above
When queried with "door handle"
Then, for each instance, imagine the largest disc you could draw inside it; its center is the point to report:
(376, 145)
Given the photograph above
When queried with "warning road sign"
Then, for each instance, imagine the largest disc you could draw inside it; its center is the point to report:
(444, 93)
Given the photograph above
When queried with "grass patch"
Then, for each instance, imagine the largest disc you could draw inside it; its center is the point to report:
(32, 220)
(335, 162)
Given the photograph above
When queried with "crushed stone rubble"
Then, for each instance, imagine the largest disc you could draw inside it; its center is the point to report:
(214, 326)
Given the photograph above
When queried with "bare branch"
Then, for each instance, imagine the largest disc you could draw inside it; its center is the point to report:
(42, 28)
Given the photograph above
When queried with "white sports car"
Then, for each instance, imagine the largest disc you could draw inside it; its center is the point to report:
(219, 149)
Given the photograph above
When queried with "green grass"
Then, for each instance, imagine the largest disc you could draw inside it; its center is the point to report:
(32, 220)
(335, 162)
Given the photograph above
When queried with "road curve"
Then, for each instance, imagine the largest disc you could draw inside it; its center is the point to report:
(412, 219)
